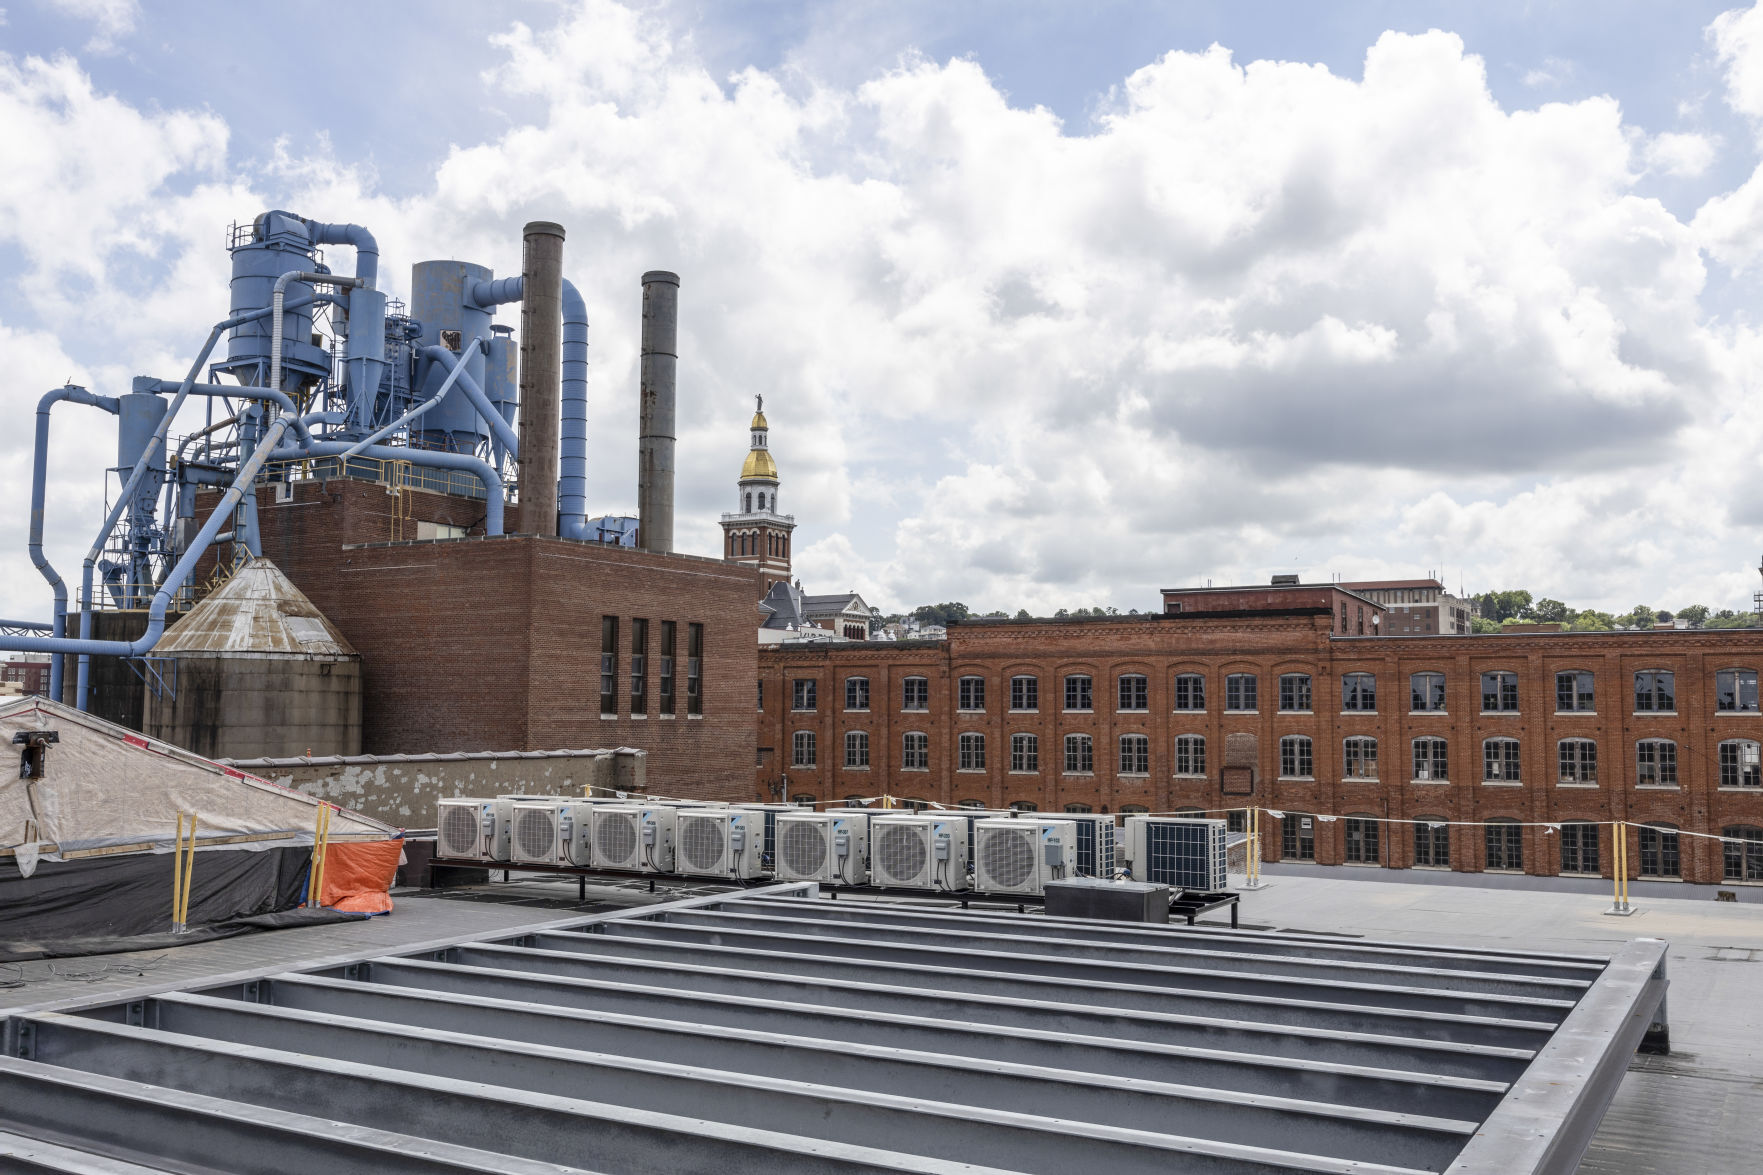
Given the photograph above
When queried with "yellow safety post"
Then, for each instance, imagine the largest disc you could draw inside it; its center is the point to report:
(321, 837)
(182, 867)
(1619, 870)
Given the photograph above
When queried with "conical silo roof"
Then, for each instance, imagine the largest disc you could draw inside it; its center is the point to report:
(258, 611)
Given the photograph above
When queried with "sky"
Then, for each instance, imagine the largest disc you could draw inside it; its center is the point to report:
(1052, 305)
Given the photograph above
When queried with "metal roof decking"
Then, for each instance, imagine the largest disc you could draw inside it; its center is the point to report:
(767, 1031)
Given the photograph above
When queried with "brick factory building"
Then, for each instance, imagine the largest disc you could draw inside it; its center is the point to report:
(1416, 607)
(1270, 704)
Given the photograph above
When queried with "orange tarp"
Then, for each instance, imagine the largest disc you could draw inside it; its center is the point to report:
(358, 875)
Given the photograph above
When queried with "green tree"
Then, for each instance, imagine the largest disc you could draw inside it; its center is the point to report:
(944, 614)
(1022, 614)
(1506, 605)
(1695, 615)
(1548, 611)
(1591, 620)
(1483, 624)
(1639, 616)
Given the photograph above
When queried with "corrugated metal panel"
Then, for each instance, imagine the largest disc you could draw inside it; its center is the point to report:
(257, 611)
(770, 1032)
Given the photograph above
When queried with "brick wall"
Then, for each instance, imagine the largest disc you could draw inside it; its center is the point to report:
(1268, 645)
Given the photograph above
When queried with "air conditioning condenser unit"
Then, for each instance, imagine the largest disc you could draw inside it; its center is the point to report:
(718, 842)
(830, 847)
(473, 829)
(1019, 856)
(1186, 854)
(918, 852)
(636, 838)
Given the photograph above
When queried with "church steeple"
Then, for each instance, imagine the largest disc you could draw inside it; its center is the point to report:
(757, 533)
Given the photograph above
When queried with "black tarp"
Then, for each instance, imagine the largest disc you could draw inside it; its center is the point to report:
(122, 903)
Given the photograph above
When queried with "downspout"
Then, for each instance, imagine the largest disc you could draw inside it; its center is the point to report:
(572, 481)
(475, 393)
(39, 482)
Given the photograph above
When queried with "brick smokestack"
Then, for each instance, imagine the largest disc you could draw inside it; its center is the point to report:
(541, 374)
(660, 359)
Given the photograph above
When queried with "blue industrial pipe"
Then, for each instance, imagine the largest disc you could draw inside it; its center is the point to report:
(434, 458)
(39, 483)
(453, 377)
(475, 393)
(367, 250)
(572, 480)
(487, 295)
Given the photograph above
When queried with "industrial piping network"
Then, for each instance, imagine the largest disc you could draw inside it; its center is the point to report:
(402, 378)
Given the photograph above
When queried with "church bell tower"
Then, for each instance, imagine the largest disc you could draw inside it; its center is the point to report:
(757, 533)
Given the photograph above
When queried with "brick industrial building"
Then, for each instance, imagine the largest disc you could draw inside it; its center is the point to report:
(1259, 698)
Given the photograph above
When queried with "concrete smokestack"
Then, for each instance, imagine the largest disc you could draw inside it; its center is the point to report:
(541, 374)
(656, 392)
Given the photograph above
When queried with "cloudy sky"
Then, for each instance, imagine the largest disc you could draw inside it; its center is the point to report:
(1051, 304)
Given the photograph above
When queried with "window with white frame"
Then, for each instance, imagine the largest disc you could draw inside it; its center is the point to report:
(1077, 691)
(1655, 691)
(803, 694)
(802, 749)
(1432, 843)
(856, 748)
(1190, 692)
(915, 693)
(1359, 757)
(1741, 853)
(1362, 847)
(1427, 693)
(1499, 760)
(1739, 765)
(971, 693)
(1655, 763)
(1135, 754)
(1735, 690)
(1190, 754)
(1578, 758)
(1080, 754)
(1025, 692)
(1359, 693)
(972, 752)
(1505, 844)
(1579, 847)
(1294, 691)
(1239, 692)
(1430, 759)
(1134, 692)
(1295, 761)
(1574, 692)
(1025, 752)
(915, 751)
(1660, 855)
(857, 693)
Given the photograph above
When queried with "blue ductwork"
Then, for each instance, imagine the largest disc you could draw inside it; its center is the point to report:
(572, 469)
(487, 295)
(451, 363)
(367, 250)
(39, 484)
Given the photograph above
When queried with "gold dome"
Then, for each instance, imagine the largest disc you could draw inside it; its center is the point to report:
(759, 466)
(759, 421)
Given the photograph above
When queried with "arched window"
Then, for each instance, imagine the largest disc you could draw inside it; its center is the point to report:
(1655, 691)
(1431, 760)
(1077, 692)
(1359, 758)
(1359, 692)
(914, 751)
(856, 748)
(1742, 853)
(1129, 809)
(1134, 691)
(1080, 757)
(1135, 754)
(1295, 759)
(915, 693)
(1240, 692)
(1505, 845)
(1578, 758)
(1499, 693)
(1659, 851)
(802, 749)
(1025, 692)
(857, 693)
(1499, 760)
(1579, 847)
(1655, 763)
(1735, 690)
(1297, 837)
(971, 693)
(855, 802)
(971, 804)
(1025, 752)
(972, 752)
(1078, 808)
(749, 501)
(1739, 764)
(1024, 806)
(1432, 843)
(803, 800)
(915, 805)
(1190, 754)
(1362, 847)
(1294, 691)
(1574, 692)
(1190, 692)
(1427, 692)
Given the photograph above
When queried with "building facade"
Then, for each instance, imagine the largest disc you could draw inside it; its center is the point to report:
(1416, 607)
(757, 534)
(31, 676)
(1469, 743)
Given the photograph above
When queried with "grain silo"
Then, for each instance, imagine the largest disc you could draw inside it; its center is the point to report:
(254, 670)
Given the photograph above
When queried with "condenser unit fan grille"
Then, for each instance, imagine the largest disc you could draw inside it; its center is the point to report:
(1008, 858)
(900, 853)
(535, 832)
(459, 831)
(615, 839)
(802, 848)
(700, 842)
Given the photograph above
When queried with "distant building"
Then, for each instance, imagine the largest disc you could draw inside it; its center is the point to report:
(757, 534)
(787, 609)
(615, 530)
(1355, 614)
(1416, 607)
(32, 677)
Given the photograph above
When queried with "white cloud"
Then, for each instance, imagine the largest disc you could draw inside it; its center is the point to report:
(111, 20)
(1256, 314)
(1737, 37)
